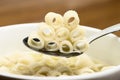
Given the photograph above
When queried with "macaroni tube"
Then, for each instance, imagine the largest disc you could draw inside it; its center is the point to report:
(77, 34)
(81, 45)
(62, 34)
(71, 19)
(66, 47)
(46, 32)
(35, 41)
(53, 19)
(52, 45)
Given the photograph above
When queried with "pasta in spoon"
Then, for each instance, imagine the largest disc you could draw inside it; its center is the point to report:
(35, 41)
(62, 33)
(71, 19)
(54, 19)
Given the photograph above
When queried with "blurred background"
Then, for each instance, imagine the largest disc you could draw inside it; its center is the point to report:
(94, 13)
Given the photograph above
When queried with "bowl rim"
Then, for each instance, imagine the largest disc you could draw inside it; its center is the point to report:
(88, 76)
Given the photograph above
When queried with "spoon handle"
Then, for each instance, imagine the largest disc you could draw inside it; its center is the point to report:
(104, 32)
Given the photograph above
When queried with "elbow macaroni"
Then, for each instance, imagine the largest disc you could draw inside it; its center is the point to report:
(62, 34)
(71, 19)
(52, 45)
(80, 45)
(77, 34)
(46, 32)
(35, 41)
(53, 19)
(35, 64)
(66, 47)
(59, 29)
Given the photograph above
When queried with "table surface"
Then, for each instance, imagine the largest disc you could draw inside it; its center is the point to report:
(94, 13)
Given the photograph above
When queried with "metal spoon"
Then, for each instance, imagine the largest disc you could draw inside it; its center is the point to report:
(76, 53)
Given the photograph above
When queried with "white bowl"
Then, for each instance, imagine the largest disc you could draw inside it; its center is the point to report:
(106, 49)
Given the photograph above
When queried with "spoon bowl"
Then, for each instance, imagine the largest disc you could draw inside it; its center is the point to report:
(100, 34)
(55, 53)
